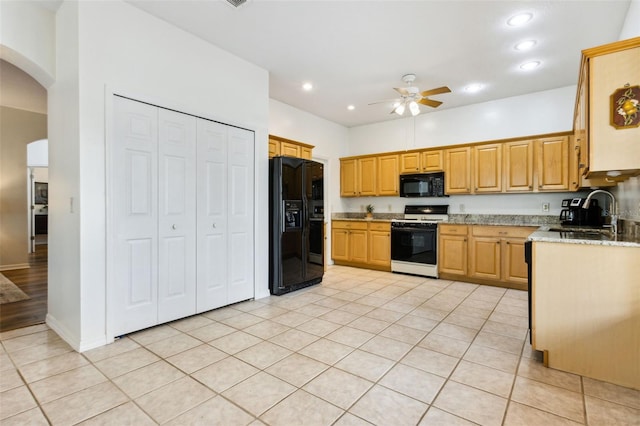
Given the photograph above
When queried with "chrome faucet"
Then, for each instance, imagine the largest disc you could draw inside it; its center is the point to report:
(613, 210)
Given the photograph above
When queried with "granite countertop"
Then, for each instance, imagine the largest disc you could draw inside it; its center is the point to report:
(549, 227)
(591, 236)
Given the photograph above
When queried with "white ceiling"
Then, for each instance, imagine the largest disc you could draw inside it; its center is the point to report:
(356, 51)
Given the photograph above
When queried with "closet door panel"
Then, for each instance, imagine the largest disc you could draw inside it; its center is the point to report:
(177, 217)
(212, 215)
(241, 191)
(134, 266)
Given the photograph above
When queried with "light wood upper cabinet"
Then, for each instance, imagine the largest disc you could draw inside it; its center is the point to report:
(553, 163)
(289, 148)
(306, 152)
(431, 161)
(274, 148)
(518, 166)
(367, 176)
(421, 161)
(410, 162)
(349, 177)
(609, 68)
(388, 178)
(487, 161)
(458, 170)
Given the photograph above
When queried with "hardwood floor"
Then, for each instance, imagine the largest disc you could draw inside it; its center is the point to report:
(33, 281)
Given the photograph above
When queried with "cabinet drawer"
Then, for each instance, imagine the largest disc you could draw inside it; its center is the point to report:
(349, 224)
(502, 231)
(453, 229)
(380, 226)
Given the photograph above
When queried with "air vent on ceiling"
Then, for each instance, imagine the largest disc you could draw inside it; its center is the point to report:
(236, 3)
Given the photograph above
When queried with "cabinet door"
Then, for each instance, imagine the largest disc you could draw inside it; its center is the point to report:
(515, 268)
(348, 178)
(340, 244)
(487, 168)
(176, 215)
(380, 248)
(289, 149)
(553, 163)
(358, 246)
(410, 162)
(484, 258)
(367, 175)
(432, 161)
(458, 170)
(305, 153)
(274, 148)
(134, 195)
(518, 166)
(240, 234)
(453, 254)
(388, 177)
(213, 219)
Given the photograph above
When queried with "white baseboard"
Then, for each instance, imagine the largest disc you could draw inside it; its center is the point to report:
(73, 341)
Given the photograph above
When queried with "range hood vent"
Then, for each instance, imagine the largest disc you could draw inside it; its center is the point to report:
(236, 3)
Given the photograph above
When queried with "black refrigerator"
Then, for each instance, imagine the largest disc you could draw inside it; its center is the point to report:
(296, 224)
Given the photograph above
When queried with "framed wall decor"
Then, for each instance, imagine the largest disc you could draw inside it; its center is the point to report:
(40, 193)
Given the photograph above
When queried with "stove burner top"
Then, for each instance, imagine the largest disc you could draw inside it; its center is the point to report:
(425, 214)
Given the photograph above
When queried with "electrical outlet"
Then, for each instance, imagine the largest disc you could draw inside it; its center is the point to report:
(389, 207)
(461, 208)
(545, 207)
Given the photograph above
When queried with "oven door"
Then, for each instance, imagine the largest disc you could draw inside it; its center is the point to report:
(415, 245)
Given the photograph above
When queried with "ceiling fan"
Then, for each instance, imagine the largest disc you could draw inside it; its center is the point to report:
(411, 96)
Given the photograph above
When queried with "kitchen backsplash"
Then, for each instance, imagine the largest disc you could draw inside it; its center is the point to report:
(629, 199)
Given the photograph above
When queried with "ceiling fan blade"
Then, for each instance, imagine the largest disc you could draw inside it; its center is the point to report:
(385, 101)
(430, 102)
(436, 91)
(402, 91)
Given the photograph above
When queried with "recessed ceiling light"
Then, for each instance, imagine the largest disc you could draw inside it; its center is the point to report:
(528, 66)
(307, 86)
(473, 88)
(519, 19)
(525, 45)
(351, 107)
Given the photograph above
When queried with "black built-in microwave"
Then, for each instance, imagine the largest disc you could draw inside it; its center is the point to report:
(422, 185)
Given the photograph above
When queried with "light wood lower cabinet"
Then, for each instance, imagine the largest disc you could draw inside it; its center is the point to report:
(484, 254)
(363, 244)
(452, 247)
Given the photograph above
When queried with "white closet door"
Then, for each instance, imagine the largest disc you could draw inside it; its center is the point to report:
(212, 215)
(176, 215)
(134, 160)
(240, 233)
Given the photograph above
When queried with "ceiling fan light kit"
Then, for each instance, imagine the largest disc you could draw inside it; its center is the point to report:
(413, 98)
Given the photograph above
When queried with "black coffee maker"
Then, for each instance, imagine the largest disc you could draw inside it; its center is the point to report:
(573, 214)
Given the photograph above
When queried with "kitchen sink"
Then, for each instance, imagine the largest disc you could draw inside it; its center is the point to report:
(574, 233)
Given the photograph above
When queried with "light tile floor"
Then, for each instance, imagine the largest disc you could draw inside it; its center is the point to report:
(364, 347)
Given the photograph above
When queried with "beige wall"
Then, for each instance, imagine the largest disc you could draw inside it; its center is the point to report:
(17, 129)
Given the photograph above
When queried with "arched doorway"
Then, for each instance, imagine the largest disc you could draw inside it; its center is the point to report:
(23, 120)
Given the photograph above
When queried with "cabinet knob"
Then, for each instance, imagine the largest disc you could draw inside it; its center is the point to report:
(214, 225)
(174, 226)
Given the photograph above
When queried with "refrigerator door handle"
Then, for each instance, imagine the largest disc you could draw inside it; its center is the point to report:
(282, 214)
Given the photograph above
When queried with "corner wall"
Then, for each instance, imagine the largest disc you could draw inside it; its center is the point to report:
(112, 47)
